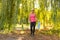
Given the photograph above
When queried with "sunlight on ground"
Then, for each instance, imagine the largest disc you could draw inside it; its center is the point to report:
(22, 32)
(19, 27)
(20, 38)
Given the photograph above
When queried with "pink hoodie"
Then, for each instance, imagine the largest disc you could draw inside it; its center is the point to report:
(32, 17)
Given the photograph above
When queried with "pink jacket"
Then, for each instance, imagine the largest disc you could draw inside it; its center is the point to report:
(32, 17)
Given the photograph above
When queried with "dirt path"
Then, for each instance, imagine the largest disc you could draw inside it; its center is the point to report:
(27, 36)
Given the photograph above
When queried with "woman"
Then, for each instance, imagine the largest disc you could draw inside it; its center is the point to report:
(32, 18)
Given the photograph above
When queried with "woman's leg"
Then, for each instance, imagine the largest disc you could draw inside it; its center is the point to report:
(34, 27)
(31, 24)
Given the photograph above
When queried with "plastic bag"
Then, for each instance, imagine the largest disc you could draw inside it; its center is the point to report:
(38, 24)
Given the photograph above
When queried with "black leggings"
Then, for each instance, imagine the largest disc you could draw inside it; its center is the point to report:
(32, 27)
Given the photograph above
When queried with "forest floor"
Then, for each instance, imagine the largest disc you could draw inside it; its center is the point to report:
(25, 35)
